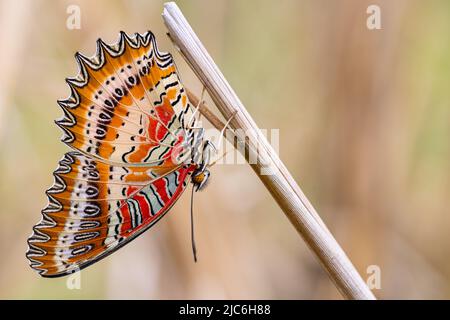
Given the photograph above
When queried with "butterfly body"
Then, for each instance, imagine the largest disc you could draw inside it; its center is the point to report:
(136, 148)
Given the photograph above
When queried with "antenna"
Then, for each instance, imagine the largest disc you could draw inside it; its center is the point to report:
(194, 248)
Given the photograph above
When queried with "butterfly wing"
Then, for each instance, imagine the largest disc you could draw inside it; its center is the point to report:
(125, 119)
(127, 104)
(95, 208)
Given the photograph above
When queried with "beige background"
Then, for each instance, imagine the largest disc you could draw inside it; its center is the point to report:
(364, 128)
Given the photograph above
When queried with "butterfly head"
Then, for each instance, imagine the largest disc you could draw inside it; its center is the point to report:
(200, 178)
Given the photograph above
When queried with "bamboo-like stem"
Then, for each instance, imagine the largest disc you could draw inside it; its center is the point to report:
(267, 164)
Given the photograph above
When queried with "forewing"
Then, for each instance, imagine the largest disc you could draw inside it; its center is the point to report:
(127, 105)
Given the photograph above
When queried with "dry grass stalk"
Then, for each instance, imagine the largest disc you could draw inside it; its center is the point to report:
(279, 183)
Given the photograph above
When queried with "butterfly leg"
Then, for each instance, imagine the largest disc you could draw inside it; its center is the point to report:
(218, 159)
(208, 147)
(222, 132)
(200, 101)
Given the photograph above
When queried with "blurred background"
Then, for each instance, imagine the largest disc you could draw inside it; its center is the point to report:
(364, 128)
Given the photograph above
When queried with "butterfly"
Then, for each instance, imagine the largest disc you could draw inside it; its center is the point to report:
(135, 147)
